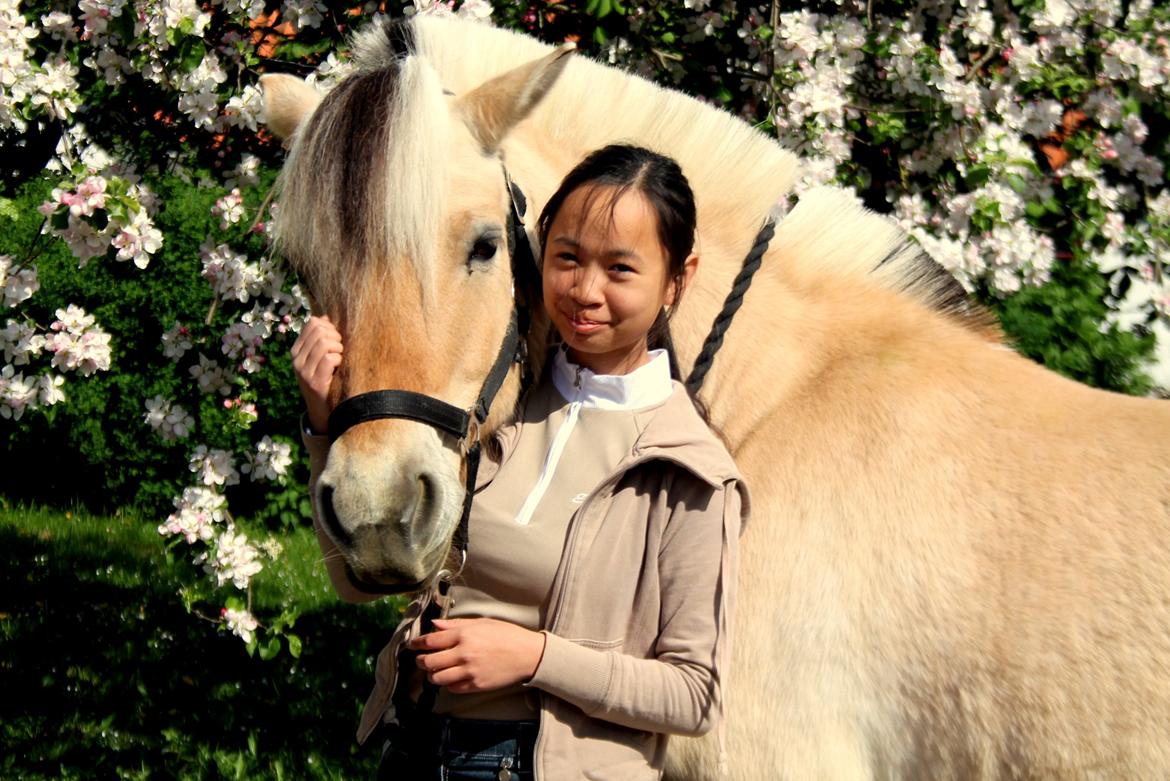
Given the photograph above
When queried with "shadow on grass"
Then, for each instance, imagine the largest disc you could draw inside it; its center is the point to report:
(105, 675)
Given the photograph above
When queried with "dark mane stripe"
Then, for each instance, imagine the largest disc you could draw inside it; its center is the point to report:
(926, 279)
(351, 139)
(400, 37)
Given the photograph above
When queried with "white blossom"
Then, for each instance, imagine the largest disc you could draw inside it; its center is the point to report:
(137, 240)
(304, 13)
(242, 623)
(196, 513)
(49, 389)
(210, 376)
(229, 209)
(18, 284)
(244, 110)
(232, 559)
(17, 393)
(176, 341)
(270, 461)
(169, 420)
(214, 467)
(77, 343)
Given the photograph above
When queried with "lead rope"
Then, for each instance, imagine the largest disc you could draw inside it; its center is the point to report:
(731, 305)
(711, 345)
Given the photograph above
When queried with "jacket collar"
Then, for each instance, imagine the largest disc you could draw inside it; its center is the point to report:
(676, 432)
(646, 386)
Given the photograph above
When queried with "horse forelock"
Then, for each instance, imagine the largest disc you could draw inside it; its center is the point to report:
(364, 186)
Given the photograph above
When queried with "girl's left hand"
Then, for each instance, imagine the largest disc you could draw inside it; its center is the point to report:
(478, 654)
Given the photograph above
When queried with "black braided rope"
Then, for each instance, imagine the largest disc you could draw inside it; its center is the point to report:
(731, 305)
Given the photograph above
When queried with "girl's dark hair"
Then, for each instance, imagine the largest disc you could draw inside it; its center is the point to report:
(659, 179)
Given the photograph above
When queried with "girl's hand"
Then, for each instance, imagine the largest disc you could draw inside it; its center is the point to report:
(478, 654)
(315, 357)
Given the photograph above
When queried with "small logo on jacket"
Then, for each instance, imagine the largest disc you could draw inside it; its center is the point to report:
(579, 498)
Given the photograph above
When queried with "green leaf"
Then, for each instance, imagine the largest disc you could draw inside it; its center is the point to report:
(294, 646)
(977, 175)
(9, 209)
(270, 650)
(298, 50)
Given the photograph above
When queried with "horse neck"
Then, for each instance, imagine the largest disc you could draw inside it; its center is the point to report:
(802, 314)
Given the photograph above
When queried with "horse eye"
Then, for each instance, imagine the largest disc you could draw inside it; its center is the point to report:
(482, 251)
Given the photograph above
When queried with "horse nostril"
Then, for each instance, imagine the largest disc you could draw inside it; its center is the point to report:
(426, 495)
(330, 520)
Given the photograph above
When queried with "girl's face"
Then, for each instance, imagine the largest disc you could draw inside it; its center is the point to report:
(606, 278)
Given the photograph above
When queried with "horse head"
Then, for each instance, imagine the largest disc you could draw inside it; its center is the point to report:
(394, 210)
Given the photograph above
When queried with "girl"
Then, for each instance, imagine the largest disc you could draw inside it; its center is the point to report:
(591, 618)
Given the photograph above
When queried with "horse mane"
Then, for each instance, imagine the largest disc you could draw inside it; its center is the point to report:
(738, 174)
(380, 132)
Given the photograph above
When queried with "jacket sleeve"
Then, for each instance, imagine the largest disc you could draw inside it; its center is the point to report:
(318, 447)
(679, 690)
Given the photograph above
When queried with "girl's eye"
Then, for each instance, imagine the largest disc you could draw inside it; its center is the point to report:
(482, 251)
(567, 257)
(621, 268)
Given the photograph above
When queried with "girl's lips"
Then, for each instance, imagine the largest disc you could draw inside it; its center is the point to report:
(584, 326)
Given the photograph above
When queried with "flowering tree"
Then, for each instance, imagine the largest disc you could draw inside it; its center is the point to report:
(1023, 145)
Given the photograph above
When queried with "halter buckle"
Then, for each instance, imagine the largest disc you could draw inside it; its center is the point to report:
(471, 439)
(441, 586)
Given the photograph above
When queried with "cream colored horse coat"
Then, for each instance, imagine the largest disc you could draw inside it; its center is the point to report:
(958, 564)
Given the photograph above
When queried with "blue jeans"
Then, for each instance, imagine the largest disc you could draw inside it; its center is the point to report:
(439, 748)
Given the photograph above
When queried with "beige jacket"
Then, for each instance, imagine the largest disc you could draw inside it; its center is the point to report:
(640, 609)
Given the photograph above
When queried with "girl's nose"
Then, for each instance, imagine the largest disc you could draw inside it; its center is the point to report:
(586, 287)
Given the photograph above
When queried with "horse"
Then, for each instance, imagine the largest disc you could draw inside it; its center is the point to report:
(957, 563)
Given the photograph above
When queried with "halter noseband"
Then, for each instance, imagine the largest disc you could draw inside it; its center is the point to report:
(462, 424)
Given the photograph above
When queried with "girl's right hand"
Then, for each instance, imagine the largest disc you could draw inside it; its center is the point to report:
(315, 357)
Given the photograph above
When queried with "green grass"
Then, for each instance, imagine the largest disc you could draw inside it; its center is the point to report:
(104, 674)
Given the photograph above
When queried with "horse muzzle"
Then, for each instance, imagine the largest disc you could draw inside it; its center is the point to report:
(397, 536)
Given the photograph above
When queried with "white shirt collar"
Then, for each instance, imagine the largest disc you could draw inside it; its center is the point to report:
(645, 386)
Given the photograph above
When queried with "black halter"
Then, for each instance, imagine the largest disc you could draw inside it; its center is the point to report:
(462, 424)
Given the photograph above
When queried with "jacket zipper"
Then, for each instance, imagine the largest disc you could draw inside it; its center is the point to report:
(552, 459)
(559, 597)
(574, 529)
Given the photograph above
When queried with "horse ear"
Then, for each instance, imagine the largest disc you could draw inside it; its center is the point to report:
(493, 108)
(287, 101)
